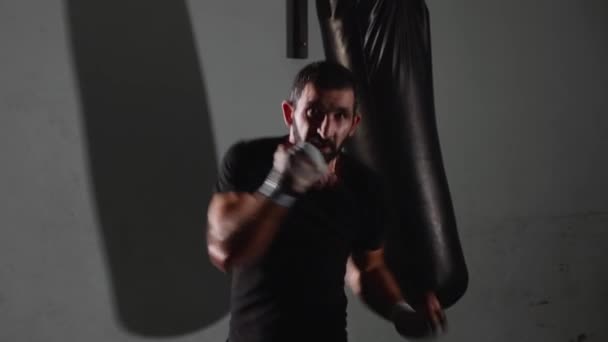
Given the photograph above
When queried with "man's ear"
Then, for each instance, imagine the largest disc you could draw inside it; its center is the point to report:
(288, 113)
(356, 121)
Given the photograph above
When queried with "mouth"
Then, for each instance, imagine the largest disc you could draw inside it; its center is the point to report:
(327, 151)
(321, 144)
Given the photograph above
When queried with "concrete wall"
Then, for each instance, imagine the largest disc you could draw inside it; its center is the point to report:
(113, 116)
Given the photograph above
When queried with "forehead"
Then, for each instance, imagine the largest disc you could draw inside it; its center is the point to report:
(343, 97)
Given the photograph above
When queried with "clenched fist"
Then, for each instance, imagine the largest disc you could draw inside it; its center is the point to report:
(295, 169)
(428, 321)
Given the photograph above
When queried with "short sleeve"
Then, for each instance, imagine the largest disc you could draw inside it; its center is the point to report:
(372, 224)
(230, 171)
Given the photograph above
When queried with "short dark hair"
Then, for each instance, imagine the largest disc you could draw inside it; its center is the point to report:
(324, 75)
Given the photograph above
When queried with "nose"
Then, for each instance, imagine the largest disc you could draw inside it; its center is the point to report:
(324, 129)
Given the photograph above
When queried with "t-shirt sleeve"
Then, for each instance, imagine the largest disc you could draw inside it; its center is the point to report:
(373, 221)
(230, 173)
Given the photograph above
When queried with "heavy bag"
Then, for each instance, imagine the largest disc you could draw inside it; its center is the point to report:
(386, 43)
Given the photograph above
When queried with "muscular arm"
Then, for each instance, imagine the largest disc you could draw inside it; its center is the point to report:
(370, 279)
(240, 227)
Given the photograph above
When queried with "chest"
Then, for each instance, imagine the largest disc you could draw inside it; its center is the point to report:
(320, 229)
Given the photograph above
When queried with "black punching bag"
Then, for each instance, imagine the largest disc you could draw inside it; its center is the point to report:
(386, 43)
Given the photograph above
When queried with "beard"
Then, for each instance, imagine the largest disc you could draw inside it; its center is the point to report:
(328, 148)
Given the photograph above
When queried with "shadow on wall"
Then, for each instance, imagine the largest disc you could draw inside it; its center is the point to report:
(152, 160)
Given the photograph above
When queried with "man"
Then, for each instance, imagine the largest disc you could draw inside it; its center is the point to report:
(292, 215)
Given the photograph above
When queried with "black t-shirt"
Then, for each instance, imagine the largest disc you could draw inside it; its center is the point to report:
(295, 291)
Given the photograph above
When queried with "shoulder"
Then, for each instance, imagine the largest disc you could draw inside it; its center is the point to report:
(365, 183)
(370, 200)
(253, 147)
(359, 174)
(246, 163)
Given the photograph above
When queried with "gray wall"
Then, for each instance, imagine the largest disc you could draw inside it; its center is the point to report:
(521, 109)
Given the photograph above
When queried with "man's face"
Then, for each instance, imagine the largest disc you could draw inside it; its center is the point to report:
(324, 118)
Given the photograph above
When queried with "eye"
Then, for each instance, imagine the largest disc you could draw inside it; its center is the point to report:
(341, 115)
(312, 112)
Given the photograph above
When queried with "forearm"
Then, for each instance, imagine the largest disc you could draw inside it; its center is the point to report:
(241, 227)
(378, 289)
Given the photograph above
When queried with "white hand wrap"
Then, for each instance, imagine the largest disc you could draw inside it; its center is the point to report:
(283, 188)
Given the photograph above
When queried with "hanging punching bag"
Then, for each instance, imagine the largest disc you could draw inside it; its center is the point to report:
(386, 43)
